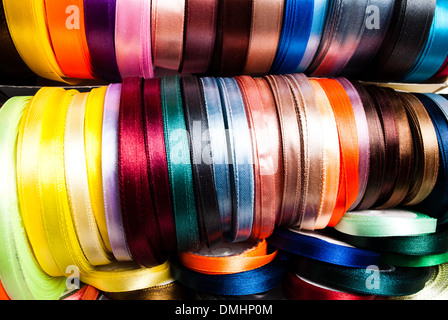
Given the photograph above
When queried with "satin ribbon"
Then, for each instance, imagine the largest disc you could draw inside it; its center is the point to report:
(197, 125)
(264, 165)
(232, 37)
(79, 176)
(3, 294)
(435, 287)
(294, 37)
(86, 293)
(390, 281)
(426, 151)
(391, 138)
(200, 32)
(374, 32)
(21, 275)
(100, 20)
(317, 27)
(291, 151)
(179, 165)
(324, 247)
(69, 42)
(167, 25)
(273, 123)
(228, 258)
(93, 125)
(27, 177)
(172, 290)
(433, 54)
(28, 28)
(299, 288)
(250, 282)
(241, 159)
(348, 140)
(386, 223)
(109, 167)
(405, 153)
(139, 218)
(409, 17)
(312, 150)
(133, 45)
(331, 157)
(363, 138)
(158, 163)
(435, 204)
(218, 150)
(12, 66)
(267, 18)
(377, 150)
(343, 31)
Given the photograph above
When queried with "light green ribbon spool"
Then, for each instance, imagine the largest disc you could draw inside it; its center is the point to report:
(21, 275)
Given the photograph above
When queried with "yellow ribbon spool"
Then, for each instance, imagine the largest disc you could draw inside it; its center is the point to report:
(28, 28)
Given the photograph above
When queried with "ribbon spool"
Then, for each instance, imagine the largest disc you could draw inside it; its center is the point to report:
(171, 290)
(241, 157)
(65, 21)
(28, 29)
(386, 223)
(228, 258)
(435, 204)
(433, 54)
(435, 288)
(22, 276)
(133, 45)
(409, 17)
(299, 288)
(294, 36)
(100, 20)
(251, 282)
(343, 31)
(323, 247)
(382, 281)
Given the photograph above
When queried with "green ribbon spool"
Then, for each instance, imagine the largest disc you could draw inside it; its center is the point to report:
(20, 273)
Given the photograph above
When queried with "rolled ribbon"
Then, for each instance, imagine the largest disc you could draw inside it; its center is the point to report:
(433, 54)
(249, 282)
(109, 162)
(22, 276)
(28, 28)
(218, 150)
(100, 20)
(200, 32)
(228, 258)
(133, 39)
(264, 164)
(386, 223)
(384, 281)
(267, 18)
(294, 36)
(179, 165)
(241, 157)
(197, 125)
(67, 31)
(299, 288)
(167, 27)
(323, 247)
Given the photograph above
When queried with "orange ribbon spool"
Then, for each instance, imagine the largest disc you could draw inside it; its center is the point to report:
(348, 140)
(250, 259)
(65, 19)
(3, 294)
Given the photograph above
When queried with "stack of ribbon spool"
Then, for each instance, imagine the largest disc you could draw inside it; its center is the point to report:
(225, 187)
(223, 155)
(110, 40)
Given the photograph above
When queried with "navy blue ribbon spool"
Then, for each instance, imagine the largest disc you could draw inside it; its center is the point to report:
(436, 204)
(250, 282)
(296, 32)
(322, 250)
